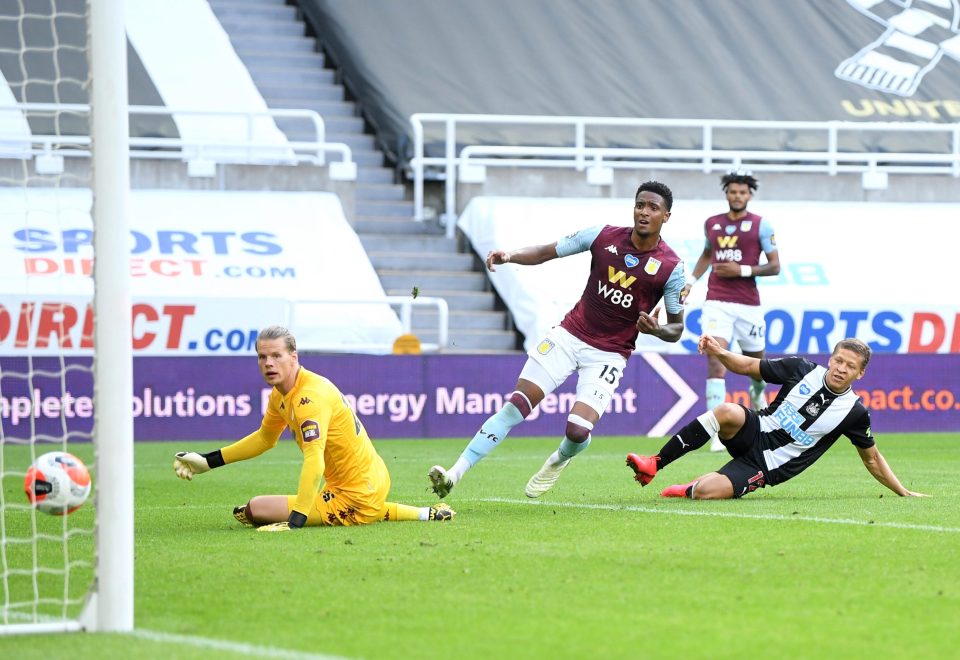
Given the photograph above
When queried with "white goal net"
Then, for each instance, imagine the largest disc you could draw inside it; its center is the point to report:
(63, 160)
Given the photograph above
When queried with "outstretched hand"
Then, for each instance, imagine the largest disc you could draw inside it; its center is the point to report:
(709, 346)
(189, 463)
(496, 258)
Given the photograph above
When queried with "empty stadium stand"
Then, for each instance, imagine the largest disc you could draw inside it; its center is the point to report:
(290, 71)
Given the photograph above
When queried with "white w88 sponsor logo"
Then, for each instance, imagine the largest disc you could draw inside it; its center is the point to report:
(615, 295)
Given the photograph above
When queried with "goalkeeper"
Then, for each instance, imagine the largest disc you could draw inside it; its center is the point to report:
(336, 451)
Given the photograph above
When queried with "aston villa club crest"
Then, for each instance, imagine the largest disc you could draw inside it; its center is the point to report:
(631, 261)
(652, 266)
(745, 225)
(545, 347)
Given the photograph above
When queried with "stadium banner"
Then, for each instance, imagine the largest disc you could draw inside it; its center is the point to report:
(847, 269)
(436, 396)
(208, 270)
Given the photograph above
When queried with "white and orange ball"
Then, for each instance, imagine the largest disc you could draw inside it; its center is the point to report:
(57, 483)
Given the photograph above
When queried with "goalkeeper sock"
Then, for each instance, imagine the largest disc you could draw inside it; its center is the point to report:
(493, 431)
(692, 436)
(399, 512)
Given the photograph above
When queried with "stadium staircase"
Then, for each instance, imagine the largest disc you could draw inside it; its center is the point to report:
(288, 67)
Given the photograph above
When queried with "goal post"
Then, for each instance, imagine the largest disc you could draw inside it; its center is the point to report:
(64, 170)
(113, 352)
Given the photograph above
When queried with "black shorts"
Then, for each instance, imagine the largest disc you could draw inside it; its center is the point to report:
(747, 471)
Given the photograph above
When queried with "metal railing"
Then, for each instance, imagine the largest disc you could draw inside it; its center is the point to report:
(469, 165)
(244, 150)
(406, 305)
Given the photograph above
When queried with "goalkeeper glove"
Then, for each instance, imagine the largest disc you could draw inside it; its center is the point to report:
(188, 463)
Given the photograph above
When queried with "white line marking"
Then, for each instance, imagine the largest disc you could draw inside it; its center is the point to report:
(724, 514)
(234, 647)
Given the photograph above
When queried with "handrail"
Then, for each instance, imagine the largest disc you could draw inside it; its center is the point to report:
(406, 304)
(247, 150)
(707, 158)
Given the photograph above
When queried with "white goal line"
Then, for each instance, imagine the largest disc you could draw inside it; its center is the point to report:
(722, 514)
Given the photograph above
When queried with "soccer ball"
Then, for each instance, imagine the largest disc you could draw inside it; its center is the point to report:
(57, 483)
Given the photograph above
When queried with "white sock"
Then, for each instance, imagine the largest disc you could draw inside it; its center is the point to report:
(459, 469)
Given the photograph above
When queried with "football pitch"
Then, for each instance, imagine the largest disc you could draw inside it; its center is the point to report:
(831, 564)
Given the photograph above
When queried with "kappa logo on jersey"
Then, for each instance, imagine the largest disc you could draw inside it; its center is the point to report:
(727, 241)
(545, 347)
(653, 265)
(310, 430)
(619, 277)
(631, 261)
(304, 401)
(613, 249)
(716, 225)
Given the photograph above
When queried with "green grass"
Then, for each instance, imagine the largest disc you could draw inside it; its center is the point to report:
(598, 568)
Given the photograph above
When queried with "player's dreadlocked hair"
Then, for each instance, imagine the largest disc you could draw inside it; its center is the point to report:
(658, 188)
(739, 176)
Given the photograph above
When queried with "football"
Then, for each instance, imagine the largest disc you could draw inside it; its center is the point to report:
(57, 483)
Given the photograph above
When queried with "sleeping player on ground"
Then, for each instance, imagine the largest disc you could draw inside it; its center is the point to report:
(336, 452)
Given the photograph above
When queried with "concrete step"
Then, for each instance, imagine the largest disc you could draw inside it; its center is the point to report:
(368, 159)
(273, 44)
(323, 108)
(357, 140)
(385, 192)
(299, 93)
(421, 260)
(377, 242)
(386, 209)
(237, 25)
(467, 340)
(365, 224)
(426, 319)
(374, 175)
(304, 130)
(457, 301)
(271, 75)
(429, 282)
(261, 55)
(262, 11)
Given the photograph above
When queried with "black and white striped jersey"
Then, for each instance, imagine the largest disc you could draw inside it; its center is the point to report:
(806, 418)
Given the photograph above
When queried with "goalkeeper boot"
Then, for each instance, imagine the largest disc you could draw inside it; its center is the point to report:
(644, 468)
(545, 477)
(440, 481)
(441, 512)
(240, 513)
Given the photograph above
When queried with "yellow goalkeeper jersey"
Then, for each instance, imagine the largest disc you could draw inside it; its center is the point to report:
(333, 441)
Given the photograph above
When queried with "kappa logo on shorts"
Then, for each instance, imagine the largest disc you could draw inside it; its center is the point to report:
(310, 430)
(653, 265)
(545, 347)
